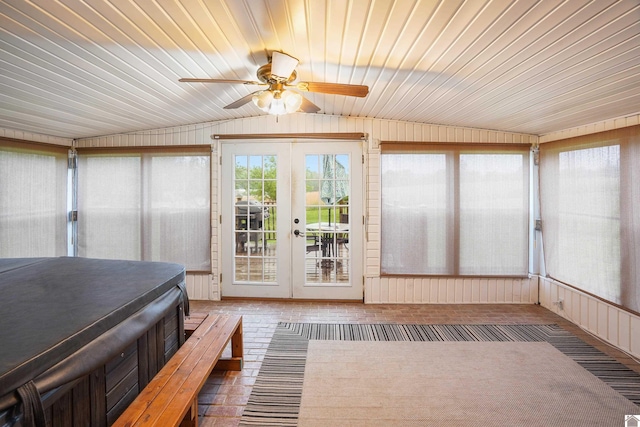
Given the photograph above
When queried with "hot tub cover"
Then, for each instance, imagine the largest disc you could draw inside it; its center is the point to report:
(53, 306)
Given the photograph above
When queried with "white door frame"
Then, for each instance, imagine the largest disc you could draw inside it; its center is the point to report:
(279, 287)
(323, 285)
(288, 285)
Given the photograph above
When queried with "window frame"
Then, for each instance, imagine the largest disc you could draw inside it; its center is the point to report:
(453, 151)
(147, 237)
(60, 239)
(627, 279)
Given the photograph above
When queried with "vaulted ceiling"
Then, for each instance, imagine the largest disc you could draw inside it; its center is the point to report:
(78, 68)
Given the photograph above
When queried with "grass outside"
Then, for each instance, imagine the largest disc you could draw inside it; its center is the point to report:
(313, 215)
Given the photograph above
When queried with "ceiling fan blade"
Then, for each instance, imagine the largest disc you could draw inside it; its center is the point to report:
(246, 82)
(334, 88)
(308, 106)
(242, 101)
(282, 65)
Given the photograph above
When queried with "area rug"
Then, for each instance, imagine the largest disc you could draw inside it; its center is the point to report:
(370, 375)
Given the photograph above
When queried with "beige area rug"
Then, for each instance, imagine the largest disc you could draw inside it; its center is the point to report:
(440, 375)
(373, 383)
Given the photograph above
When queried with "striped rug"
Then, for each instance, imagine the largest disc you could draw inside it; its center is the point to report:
(276, 395)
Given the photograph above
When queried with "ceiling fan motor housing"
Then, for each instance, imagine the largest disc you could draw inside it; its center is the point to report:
(265, 76)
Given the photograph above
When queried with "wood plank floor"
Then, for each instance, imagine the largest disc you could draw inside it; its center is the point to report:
(224, 396)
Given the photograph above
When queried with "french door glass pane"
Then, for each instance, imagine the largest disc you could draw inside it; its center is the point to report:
(255, 219)
(327, 219)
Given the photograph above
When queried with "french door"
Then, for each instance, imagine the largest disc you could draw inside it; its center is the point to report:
(292, 220)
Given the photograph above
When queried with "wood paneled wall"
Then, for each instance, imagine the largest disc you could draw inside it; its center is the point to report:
(451, 290)
(376, 131)
(34, 137)
(617, 123)
(610, 323)
(616, 326)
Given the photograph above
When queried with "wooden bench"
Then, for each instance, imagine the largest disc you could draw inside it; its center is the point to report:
(171, 398)
(192, 322)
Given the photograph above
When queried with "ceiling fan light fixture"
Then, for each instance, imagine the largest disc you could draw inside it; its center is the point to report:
(292, 100)
(277, 107)
(263, 100)
(279, 103)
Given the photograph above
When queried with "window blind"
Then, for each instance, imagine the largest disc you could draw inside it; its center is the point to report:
(590, 202)
(145, 205)
(33, 211)
(458, 210)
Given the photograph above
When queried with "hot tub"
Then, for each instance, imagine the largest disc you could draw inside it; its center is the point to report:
(80, 337)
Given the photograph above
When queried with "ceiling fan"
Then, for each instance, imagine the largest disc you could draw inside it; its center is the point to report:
(279, 75)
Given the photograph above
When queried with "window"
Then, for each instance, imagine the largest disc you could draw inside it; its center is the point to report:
(454, 210)
(145, 206)
(591, 214)
(33, 210)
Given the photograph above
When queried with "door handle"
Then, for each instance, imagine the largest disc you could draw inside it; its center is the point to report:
(298, 233)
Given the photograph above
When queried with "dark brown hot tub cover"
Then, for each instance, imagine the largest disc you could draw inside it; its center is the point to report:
(63, 316)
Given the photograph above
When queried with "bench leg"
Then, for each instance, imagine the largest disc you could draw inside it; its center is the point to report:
(191, 418)
(237, 351)
(237, 346)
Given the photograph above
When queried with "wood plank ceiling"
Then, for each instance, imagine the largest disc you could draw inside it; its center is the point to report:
(78, 68)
